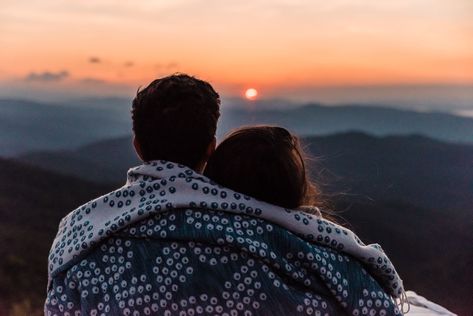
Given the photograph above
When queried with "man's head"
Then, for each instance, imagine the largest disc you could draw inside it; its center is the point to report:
(175, 119)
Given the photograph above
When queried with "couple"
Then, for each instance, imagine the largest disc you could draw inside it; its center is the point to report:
(205, 230)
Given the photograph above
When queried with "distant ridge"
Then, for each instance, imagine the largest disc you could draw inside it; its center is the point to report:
(316, 119)
(31, 126)
(27, 125)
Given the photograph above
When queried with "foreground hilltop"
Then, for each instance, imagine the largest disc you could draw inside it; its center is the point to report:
(32, 202)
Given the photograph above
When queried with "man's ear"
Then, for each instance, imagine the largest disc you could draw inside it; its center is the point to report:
(211, 148)
(137, 148)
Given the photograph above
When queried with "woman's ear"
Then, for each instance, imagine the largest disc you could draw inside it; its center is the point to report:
(137, 148)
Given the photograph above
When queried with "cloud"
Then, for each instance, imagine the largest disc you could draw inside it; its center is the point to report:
(92, 81)
(166, 67)
(95, 60)
(47, 76)
(172, 65)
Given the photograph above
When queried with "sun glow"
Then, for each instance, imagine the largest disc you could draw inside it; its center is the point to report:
(251, 94)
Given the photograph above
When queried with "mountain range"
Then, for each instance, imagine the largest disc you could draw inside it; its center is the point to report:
(316, 119)
(30, 126)
(27, 125)
(412, 169)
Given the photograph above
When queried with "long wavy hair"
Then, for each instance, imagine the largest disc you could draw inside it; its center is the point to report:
(267, 163)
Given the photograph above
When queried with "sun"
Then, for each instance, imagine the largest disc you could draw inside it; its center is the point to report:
(251, 94)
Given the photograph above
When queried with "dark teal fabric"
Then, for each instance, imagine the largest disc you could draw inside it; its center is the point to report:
(195, 262)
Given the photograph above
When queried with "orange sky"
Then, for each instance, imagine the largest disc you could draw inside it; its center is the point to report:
(106, 45)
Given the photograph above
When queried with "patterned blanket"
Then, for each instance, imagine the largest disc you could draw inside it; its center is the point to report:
(173, 242)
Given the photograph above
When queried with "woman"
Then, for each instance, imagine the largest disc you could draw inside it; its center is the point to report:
(268, 163)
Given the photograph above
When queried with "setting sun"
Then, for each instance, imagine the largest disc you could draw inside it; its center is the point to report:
(251, 94)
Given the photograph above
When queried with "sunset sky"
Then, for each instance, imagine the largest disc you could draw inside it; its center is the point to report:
(110, 47)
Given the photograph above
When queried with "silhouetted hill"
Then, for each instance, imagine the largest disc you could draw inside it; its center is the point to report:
(30, 126)
(105, 162)
(413, 169)
(32, 201)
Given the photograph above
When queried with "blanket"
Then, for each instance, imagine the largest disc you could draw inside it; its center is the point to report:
(172, 241)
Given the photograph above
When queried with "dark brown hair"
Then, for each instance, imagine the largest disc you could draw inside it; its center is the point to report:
(175, 119)
(264, 162)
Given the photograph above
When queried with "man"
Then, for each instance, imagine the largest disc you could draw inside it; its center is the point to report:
(172, 242)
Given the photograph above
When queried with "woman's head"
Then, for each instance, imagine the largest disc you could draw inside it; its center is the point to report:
(264, 162)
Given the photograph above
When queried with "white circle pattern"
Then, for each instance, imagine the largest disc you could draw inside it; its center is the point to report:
(205, 260)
